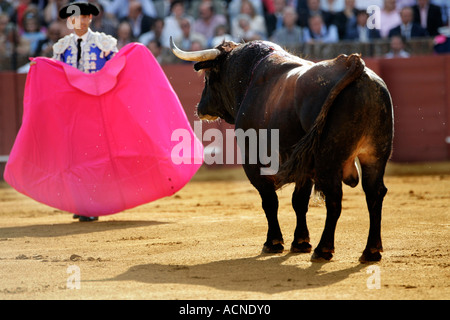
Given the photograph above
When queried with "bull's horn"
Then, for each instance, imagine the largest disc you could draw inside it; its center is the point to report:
(202, 55)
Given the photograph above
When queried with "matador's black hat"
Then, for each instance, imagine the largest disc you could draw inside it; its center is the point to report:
(78, 8)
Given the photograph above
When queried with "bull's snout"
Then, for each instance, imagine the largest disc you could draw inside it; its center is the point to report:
(206, 117)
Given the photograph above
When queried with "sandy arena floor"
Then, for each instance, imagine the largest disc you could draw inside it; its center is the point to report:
(205, 243)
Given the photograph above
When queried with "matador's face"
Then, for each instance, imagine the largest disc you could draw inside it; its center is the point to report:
(80, 23)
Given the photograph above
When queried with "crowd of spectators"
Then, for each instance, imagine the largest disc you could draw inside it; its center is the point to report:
(31, 27)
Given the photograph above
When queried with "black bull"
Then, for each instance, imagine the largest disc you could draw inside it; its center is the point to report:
(327, 114)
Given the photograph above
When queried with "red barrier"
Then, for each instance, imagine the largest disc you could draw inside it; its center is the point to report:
(11, 96)
(420, 89)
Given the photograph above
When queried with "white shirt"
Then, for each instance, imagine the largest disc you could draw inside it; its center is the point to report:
(84, 38)
(364, 4)
(423, 16)
(406, 30)
(389, 20)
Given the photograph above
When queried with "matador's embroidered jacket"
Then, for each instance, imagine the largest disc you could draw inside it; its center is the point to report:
(96, 49)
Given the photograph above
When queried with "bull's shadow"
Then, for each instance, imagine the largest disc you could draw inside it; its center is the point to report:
(263, 273)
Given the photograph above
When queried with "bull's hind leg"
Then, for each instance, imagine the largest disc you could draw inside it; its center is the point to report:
(375, 190)
(300, 201)
(332, 191)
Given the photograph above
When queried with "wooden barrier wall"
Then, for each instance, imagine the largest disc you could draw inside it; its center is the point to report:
(11, 96)
(420, 89)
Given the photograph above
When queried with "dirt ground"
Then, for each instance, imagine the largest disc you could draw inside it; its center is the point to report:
(205, 243)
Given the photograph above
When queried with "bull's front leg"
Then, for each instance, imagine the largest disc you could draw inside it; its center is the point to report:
(266, 188)
(274, 242)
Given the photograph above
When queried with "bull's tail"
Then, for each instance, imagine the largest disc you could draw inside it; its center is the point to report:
(300, 164)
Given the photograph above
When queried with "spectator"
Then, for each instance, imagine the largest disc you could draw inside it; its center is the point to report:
(364, 4)
(299, 4)
(389, 17)
(197, 46)
(172, 23)
(5, 27)
(208, 20)
(104, 23)
(154, 34)
(408, 29)
(291, 33)
(32, 30)
(21, 9)
(155, 48)
(243, 30)
(13, 47)
(219, 7)
(124, 34)
(120, 8)
(332, 6)
(234, 8)
(6, 8)
(221, 34)
(188, 36)
(428, 16)
(442, 41)
(51, 10)
(162, 55)
(318, 31)
(162, 8)
(139, 22)
(345, 17)
(358, 30)
(274, 21)
(405, 3)
(397, 48)
(45, 46)
(445, 9)
(248, 24)
(313, 9)
(268, 7)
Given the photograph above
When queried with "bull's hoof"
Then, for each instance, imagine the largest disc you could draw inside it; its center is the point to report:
(321, 256)
(274, 246)
(303, 247)
(369, 255)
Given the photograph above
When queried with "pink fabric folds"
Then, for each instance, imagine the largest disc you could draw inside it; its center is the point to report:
(97, 144)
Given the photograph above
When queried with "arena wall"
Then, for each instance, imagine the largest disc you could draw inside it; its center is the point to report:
(419, 87)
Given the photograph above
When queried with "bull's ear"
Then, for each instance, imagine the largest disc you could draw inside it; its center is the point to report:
(228, 46)
(205, 65)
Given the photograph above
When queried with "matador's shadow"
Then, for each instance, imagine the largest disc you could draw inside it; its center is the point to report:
(262, 273)
(71, 228)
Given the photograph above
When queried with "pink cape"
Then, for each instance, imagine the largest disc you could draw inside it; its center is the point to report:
(97, 144)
